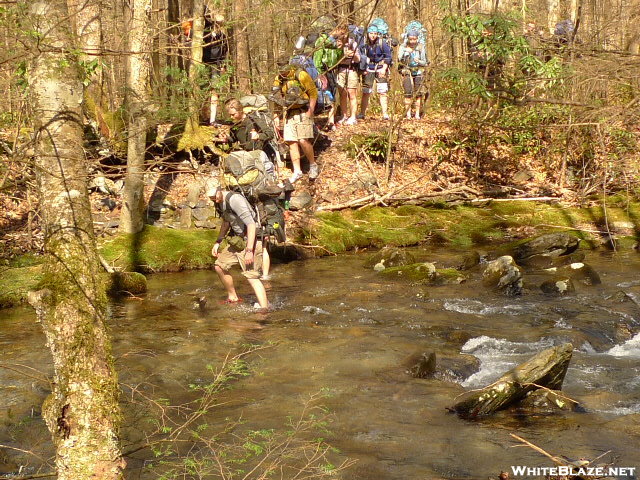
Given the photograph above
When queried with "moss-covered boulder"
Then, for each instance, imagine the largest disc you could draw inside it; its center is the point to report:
(416, 272)
(549, 245)
(390, 257)
(15, 283)
(469, 260)
(160, 250)
(127, 283)
(426, 273)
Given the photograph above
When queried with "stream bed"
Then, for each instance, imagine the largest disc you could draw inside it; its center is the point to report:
(347, 333)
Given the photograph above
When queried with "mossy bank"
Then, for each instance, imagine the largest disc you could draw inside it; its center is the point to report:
(487, 226)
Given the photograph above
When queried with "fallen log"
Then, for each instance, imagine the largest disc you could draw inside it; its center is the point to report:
(390, 199)
(546, 369)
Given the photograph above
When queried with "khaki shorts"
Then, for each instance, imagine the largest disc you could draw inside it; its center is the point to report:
(298, 127)
(348, 78)
(229, 257)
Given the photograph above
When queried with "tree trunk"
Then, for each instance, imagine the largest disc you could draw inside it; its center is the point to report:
(546, 369)
(82, 412)
(132, 217)
(553, 17)
(195, 66)
(243, 67)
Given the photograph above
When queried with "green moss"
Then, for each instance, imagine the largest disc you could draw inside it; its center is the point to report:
(416, 272)
(15, 283)
(463, 226)
(161, 250)
(26, 260)
(449, 276)
(132, 283)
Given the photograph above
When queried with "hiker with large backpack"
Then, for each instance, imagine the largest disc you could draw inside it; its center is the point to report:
(326, 56)
(412, 61)
(295, 92)
(379, 60)
(239, 227)
(348, 75)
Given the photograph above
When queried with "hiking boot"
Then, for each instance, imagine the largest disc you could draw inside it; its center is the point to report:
(385, 117)
(351, 121)
(313, 171)
(295, 177)
(360, 116)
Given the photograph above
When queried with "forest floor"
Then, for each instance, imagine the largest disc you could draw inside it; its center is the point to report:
(431, 159)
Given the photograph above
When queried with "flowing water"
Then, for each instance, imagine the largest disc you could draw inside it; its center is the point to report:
(349, 333)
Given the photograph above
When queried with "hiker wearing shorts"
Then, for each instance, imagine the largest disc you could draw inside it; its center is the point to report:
(378, 52)
(348, 78)
(296, 92)
(412, 58)
(239, 226)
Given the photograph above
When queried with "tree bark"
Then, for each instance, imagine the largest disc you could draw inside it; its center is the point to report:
(132, 217)
(243, 66)
(546, 369)
(82, 412)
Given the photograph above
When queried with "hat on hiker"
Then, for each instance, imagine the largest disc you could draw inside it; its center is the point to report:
(413, 33)
(373, 29)
(212, 186)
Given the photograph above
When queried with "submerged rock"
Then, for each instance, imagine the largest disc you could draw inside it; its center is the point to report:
(504, 274)
(390, 257)
(421, 365)
(549, 401)
(469, 260)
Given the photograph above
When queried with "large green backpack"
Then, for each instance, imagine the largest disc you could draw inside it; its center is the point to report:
(326, 55)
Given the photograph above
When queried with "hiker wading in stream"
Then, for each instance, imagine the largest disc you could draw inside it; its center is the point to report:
(239, 226)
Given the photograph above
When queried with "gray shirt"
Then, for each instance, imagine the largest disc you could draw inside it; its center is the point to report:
(238, 212)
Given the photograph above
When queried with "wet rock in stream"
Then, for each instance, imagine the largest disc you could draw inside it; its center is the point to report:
(551, 245)
(390, 257)
(546, 370)
(503, 274)
(558, 286)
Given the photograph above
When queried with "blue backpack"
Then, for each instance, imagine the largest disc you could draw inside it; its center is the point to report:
(381, 25)
(415, 26)
(357, 34)
(305, 62)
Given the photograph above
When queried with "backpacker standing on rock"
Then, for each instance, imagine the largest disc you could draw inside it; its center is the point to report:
(296, 93)
(239, 226)
(412, 60)
(378, 54)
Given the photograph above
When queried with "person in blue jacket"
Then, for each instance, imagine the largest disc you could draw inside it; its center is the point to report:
(378, 53)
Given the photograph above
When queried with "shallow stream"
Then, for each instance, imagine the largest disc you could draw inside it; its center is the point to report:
(348, 332)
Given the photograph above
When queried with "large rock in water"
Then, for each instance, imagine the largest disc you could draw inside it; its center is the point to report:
(390, 257)
(550, 245)
(504, 274)
(546, 369)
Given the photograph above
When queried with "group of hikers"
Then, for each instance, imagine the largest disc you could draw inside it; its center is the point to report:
(325, 72)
